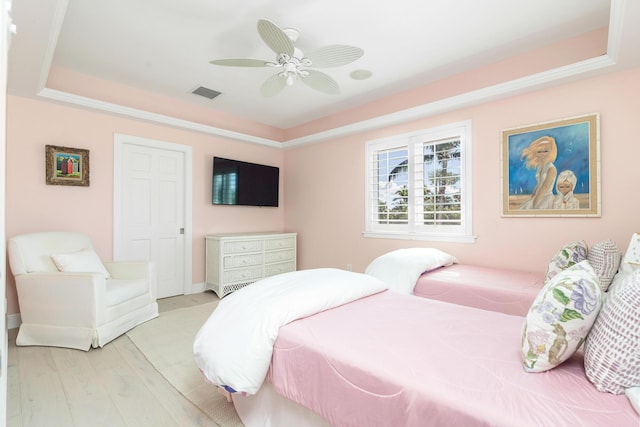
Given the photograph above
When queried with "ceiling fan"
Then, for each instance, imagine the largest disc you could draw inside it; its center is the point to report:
(293, 63)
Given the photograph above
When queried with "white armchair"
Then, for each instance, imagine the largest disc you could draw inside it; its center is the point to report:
(69, 298)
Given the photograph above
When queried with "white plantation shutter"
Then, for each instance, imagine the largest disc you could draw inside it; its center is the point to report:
(385, 186)
(418, 185)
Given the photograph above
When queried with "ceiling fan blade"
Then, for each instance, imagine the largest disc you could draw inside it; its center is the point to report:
(240, 62)
(275, 37)
(334, 55)
(320, 81)
(273, 85)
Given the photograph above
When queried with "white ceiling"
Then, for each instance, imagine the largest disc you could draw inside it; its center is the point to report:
(165, 46)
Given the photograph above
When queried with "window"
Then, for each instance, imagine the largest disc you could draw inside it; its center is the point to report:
(419, 185)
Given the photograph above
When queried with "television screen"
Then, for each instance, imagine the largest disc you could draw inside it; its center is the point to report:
(244, 183)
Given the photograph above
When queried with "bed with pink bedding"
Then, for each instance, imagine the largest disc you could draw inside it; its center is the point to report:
(384, 359)
(431, 273)
(489, 288)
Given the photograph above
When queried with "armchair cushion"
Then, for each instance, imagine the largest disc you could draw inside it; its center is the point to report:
(119, 291)
(84, 261)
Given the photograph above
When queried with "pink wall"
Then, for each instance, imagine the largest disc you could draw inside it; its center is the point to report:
(34, 206)
(324, 182)
(585, 46)
(70, 81)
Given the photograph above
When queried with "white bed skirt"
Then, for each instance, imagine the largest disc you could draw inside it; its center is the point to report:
(268, 409)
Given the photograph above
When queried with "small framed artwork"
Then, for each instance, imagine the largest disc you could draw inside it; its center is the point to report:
(66, 166)
(552, 169)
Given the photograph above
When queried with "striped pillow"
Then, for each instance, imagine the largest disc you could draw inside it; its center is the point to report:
(612, 348)
(605, 258)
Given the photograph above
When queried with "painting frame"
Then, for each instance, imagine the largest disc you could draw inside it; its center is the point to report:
(573, 144)
(66, 166)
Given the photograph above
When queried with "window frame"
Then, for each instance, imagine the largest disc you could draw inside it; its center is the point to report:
(411, 142)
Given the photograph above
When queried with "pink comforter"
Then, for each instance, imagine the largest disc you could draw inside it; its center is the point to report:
(495, 289)
(396, 360)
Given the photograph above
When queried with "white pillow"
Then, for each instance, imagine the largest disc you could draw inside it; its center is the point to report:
(633, 394)
(630, 262)
(400, 269)
(560, 318)
(84, 261)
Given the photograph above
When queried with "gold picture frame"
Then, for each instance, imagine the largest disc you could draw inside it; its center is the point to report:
(66, 166)
(552, 169)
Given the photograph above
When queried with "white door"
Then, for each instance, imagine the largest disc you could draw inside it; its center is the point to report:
(152, 209)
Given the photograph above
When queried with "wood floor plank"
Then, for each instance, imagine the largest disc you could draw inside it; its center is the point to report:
(14, 408)
(133, 399)
(89, 402)
(43, 401)
(182, 410)
(113, 386)
(173, 303)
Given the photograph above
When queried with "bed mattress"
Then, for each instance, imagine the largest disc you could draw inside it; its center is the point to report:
(494, 289)
(391, 359)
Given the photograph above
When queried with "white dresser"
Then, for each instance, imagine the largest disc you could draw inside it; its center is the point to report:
(237, 260)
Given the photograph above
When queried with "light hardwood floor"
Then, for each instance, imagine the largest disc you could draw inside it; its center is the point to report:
(110, 386)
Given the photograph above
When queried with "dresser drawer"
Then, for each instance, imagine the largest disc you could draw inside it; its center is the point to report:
(235, 260)
(279, 256)
(283, 267)
(243, 246)
(243, 275)
(280, 243)
(238, 261)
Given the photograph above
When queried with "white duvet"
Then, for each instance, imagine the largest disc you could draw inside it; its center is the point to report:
(400, 269)
(233, 348)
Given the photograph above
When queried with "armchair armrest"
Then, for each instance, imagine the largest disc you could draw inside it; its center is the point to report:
(54, 298)
(134, 270)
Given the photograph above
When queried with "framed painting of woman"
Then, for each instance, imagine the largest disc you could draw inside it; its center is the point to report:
(552, 169)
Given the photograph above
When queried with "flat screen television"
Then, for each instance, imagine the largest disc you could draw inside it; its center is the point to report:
(244, 184)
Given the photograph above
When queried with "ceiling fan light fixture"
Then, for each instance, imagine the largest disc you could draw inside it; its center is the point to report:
(360, 74)
(289, 79)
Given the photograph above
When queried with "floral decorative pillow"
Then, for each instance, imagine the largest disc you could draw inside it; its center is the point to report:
(560, 318)
(569, 255)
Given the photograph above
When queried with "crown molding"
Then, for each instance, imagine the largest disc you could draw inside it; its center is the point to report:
(135, 113)
(468, 99)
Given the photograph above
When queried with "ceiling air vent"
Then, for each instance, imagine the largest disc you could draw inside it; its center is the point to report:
(206, 92)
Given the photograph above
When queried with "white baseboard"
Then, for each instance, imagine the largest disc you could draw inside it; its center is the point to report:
(196, 288)
(13, 321)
